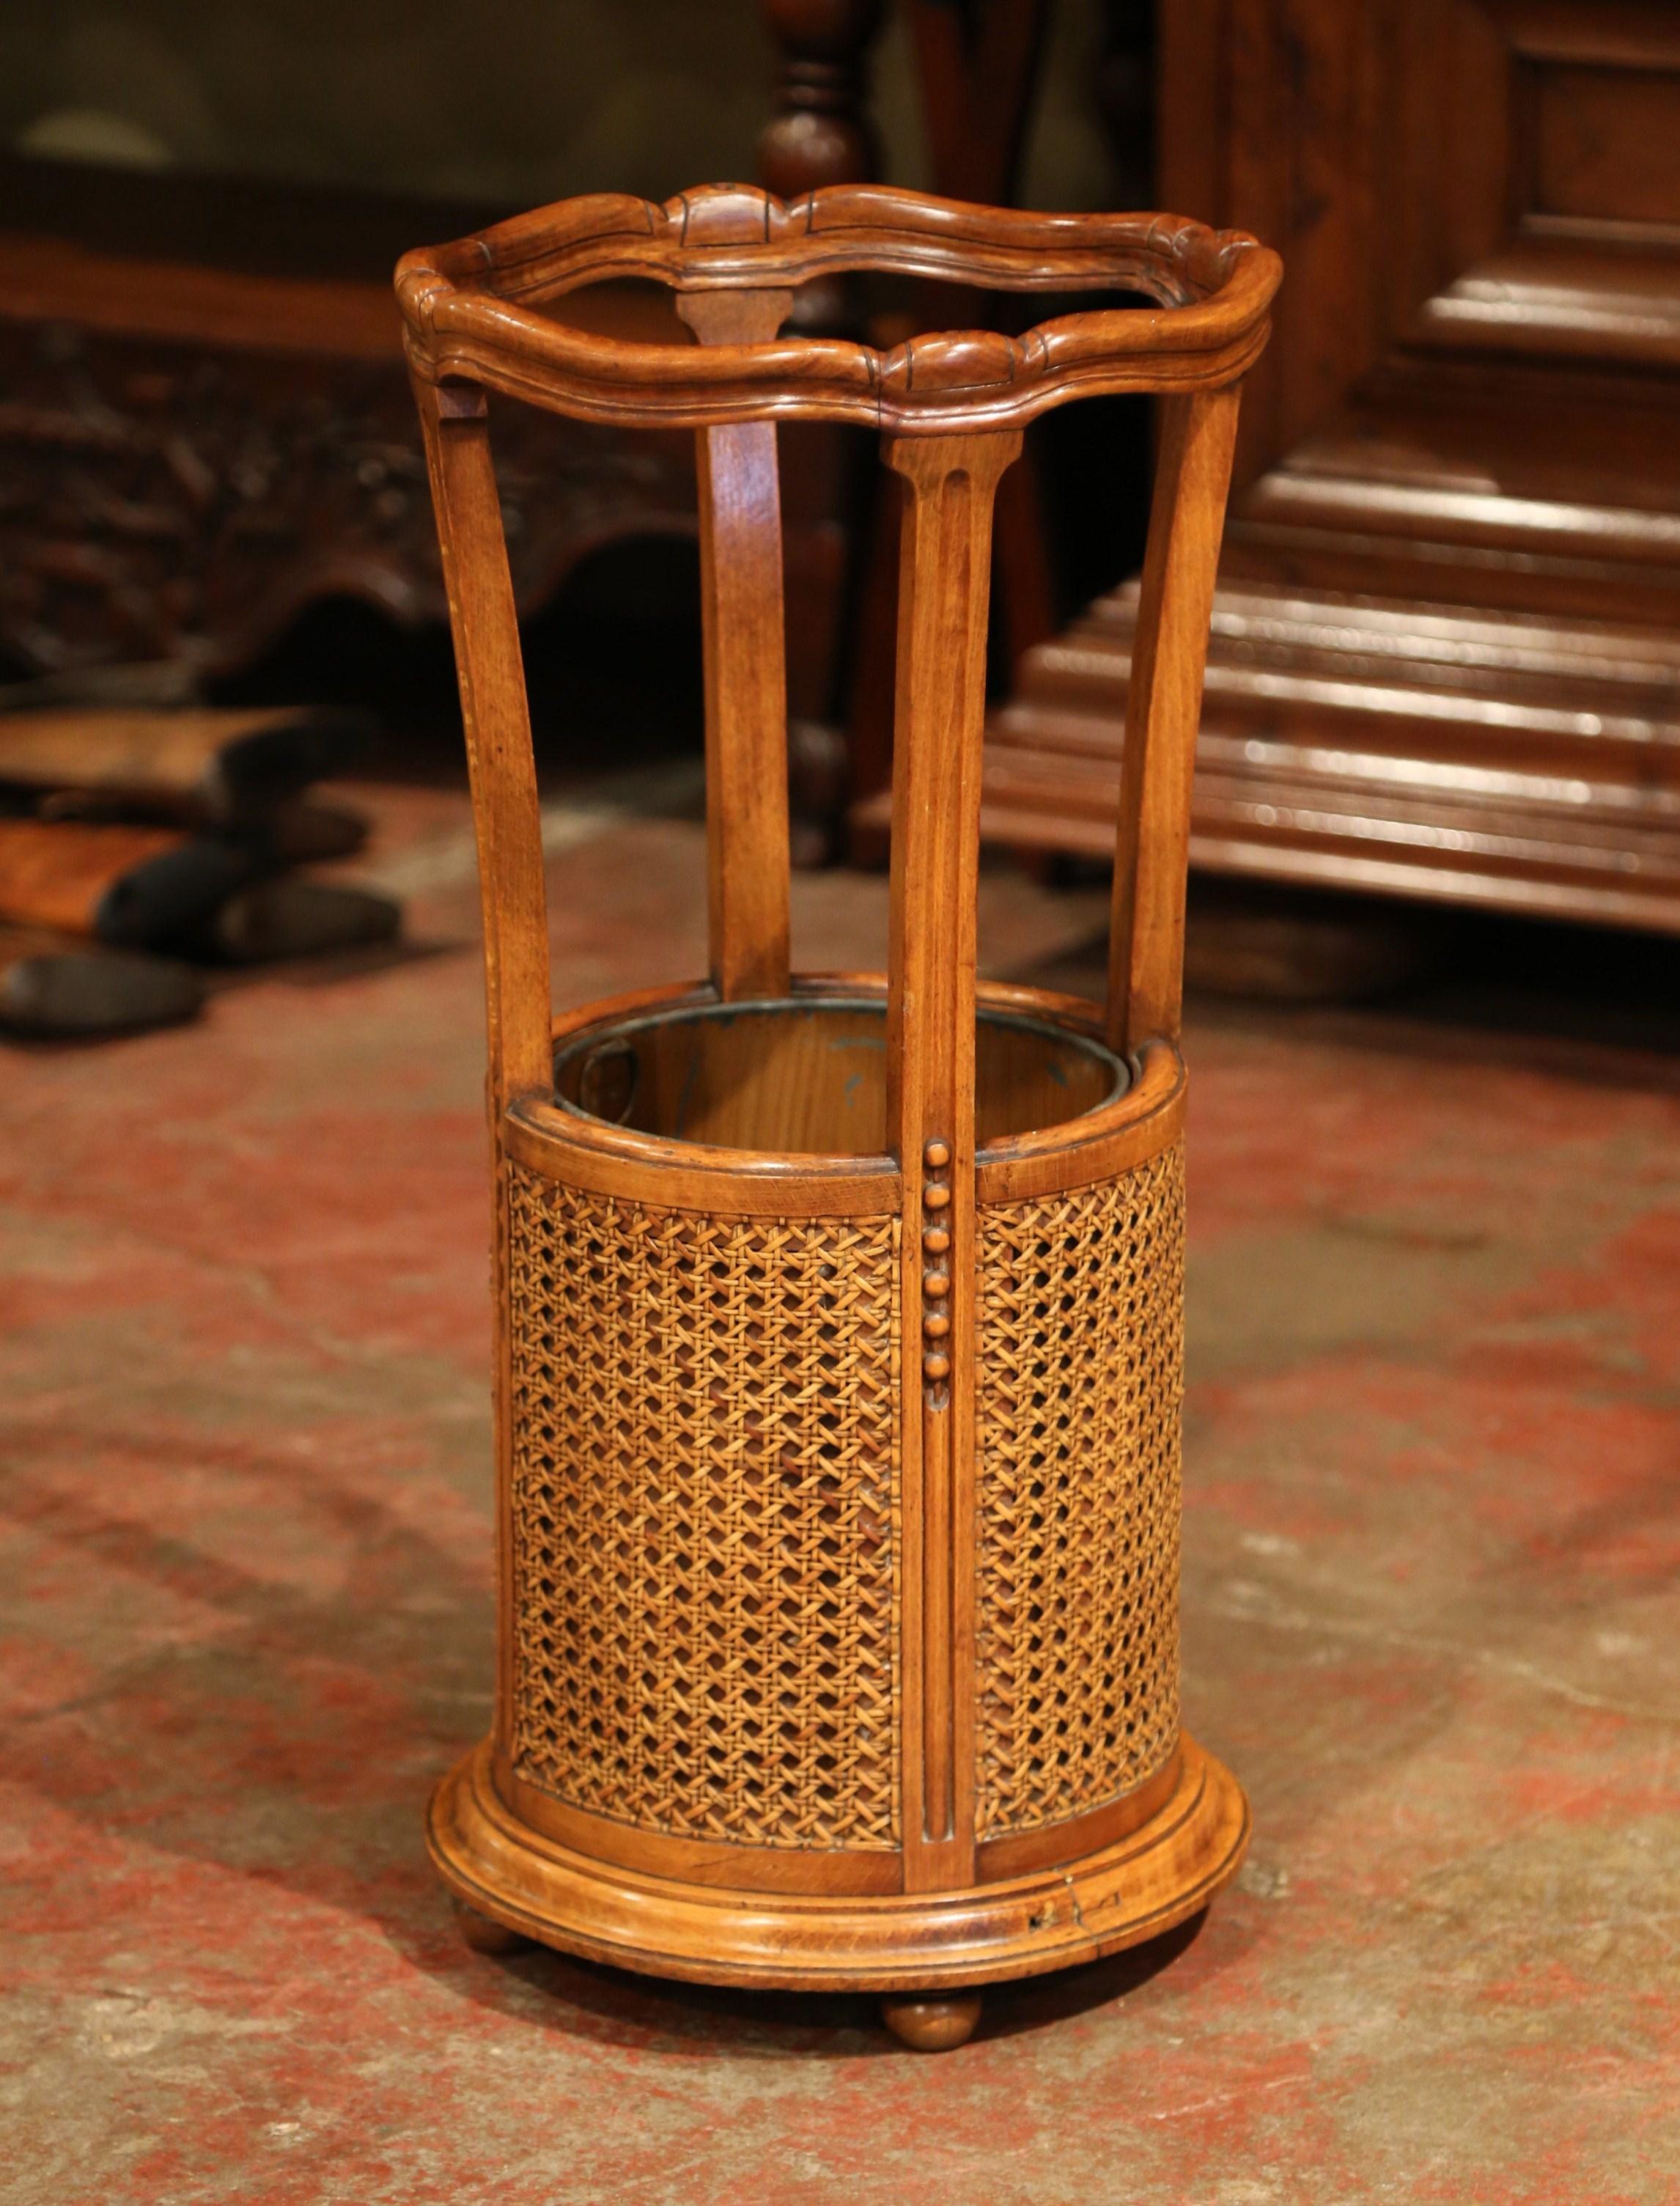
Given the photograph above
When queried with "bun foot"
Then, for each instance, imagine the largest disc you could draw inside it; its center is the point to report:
(932, 2026)
(483, 1935)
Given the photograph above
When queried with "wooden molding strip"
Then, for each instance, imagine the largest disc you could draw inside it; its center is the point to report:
(714, 1862)
(1156, 1875)
(664, 1175)
(471, 308)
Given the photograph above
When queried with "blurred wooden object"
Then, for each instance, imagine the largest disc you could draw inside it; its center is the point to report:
(292, 916)
(51, 989)
(195, 764)
(1446, 657)
(130, 886)
(207, 423)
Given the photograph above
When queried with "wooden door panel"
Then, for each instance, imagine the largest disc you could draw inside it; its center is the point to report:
(1603, 145)
(1468, 426)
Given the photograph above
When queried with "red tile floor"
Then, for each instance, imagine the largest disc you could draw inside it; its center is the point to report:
(1433, 1463)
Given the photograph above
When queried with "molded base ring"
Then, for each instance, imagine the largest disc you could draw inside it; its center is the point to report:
(1053, 1918)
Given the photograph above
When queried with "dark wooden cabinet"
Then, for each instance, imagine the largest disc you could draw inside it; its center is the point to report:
(205, 423)
(206, 426)
(1446, 646)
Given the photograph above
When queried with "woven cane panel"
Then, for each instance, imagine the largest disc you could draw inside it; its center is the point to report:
(1077, 1414)
(705, 1501)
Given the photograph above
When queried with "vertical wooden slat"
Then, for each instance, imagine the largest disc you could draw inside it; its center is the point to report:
(746, 670)
(943, 589)
(484, 625)
(1163, 711)
(491, 672)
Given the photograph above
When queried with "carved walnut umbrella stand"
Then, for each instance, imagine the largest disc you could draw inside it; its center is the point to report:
(839, 1319)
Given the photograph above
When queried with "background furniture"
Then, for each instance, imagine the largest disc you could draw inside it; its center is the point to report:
(206, 424)
(205, 429)
(838, 1320)
(1445, 659)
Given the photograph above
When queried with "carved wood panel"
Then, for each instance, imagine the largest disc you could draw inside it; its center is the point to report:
(170, 500)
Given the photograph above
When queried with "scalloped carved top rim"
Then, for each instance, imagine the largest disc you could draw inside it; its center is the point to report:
(471, 308)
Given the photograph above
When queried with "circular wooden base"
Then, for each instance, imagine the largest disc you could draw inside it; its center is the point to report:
(927, 1943)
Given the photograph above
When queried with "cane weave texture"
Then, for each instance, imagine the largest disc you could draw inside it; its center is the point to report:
(706, 1518)
(1080, 1337)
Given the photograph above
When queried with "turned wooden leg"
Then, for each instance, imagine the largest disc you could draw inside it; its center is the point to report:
(484, 1934)
(931, 2025)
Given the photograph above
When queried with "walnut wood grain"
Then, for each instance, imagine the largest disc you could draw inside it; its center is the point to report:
(945, 569)
(1097, 1146)
(195, 764)
(1164, 709)
(497, 724)
(1160, 1874)
(694, 1175)
(765, 1676)
(55, 987)
(502, 769)
(746, 668)
(473, 309)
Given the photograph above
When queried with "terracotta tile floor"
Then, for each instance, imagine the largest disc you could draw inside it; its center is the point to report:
(1430, 1617)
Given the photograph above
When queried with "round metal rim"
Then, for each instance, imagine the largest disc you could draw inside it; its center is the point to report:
(1121, 1080)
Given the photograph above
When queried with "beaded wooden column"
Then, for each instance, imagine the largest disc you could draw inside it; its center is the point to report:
(837, 1347)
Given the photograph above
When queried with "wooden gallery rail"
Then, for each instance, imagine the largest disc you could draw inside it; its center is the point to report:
(838, 1317)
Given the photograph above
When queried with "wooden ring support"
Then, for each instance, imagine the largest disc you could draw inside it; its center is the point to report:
(838, 1320)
